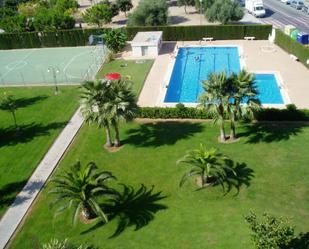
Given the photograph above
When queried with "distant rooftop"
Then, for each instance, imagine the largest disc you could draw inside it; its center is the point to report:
(146, 38)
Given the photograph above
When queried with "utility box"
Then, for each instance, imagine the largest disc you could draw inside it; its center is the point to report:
(288, 29)
(294, 34)
(303, 38)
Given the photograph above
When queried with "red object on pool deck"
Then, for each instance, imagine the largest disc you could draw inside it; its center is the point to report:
(112, 76)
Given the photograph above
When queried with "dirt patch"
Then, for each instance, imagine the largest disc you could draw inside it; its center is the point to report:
(85, 220)
(113, 149)
(198, 182)
(228, 140)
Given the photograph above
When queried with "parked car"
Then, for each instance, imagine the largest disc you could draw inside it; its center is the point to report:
(305, 9)
(286, 1)
(297, 4)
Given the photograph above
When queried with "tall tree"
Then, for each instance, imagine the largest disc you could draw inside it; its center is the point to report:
(107, 103)
(124, 5)
(115, 40)
(98, 14)
(121, 105)
(79, 188)
(186, 3)
(243, 102)
(216, 99)
(46, 19)
(149, 13)
(224, 11)
(207, 164)
(28, 9)
(93, 98)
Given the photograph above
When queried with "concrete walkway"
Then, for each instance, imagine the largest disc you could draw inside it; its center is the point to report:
(25, 198)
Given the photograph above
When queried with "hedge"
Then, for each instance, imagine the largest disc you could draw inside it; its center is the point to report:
(79, 37)
(195, 33)
(267, 114)
(59, 38)
(293, 47)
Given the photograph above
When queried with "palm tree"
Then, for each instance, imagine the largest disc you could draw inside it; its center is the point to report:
(79, 188)
(121, 105)
(216, 99)
(243, 102)
(8, 103)
(93, 97)
(210, 165)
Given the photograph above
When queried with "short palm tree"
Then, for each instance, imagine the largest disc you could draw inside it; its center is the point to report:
(121, 105)
(208, 164)
(243, 102)
(79, 188)
(93, 97)
(216, 99)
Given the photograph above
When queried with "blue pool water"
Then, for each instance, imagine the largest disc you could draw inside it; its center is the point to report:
(269, 92)
(193, 65)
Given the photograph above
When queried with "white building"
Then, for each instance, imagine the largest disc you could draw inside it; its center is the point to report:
(147, 43)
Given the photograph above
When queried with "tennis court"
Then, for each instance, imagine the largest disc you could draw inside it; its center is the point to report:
(42, 66)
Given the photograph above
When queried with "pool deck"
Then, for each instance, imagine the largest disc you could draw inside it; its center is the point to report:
(256, 56)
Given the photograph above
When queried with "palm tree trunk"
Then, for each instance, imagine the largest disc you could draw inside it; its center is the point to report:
(108, 136)
(222, 132)
(186, 9)
(233, 128)
(87, 212)
(117, 136)
(15, 122)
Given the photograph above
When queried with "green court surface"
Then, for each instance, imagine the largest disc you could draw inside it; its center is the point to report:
(50, 65)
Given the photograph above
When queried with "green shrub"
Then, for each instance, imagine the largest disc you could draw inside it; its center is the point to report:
(267, 114)
(292, 47)
(61, 244)
(270, 232)
(149, 13)
(115, 40)
(195, 33)
(79, 37)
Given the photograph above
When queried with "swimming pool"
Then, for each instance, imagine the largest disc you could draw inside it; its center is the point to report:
(193, 65)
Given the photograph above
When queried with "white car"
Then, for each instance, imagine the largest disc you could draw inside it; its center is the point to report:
(286, 1)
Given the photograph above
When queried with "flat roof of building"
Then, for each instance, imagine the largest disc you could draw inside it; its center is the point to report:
(147, 38)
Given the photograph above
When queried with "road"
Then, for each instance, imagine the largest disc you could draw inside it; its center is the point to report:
(278, 14)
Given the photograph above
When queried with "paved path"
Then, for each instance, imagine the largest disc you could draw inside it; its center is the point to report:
(25, 198)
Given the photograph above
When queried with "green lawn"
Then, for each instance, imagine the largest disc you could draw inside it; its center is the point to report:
(41, 116)
(137, 72)
(274, 178)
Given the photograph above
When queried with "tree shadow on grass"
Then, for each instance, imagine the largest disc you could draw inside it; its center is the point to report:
(132, 208)
(242, 177)
(9, 191)
(8, 194)
(161, 133)
(270, 132)
(8, 136)
(24, 102)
